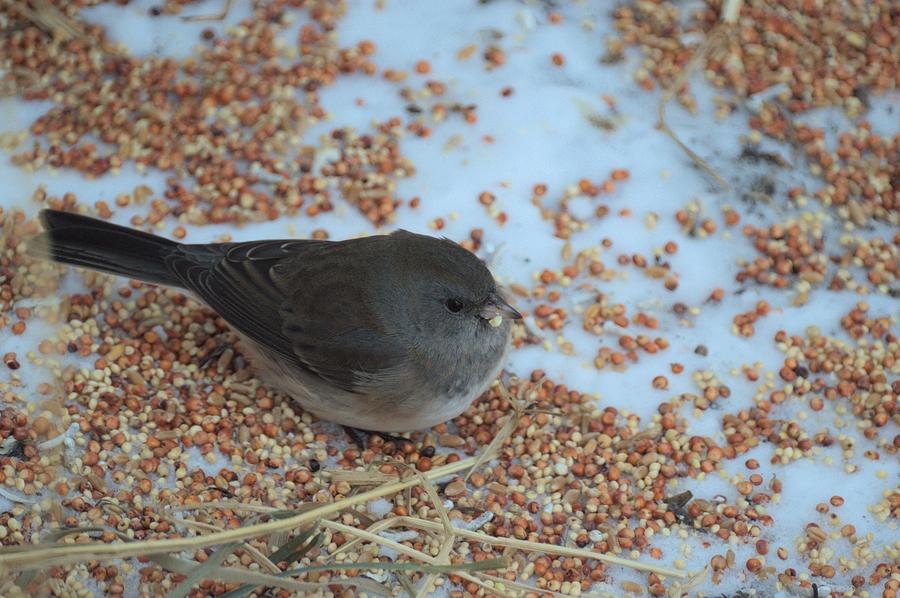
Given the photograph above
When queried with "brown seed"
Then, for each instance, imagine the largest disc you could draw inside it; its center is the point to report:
(451, 440)
(816, 533)
(40, 425)
(455, 488)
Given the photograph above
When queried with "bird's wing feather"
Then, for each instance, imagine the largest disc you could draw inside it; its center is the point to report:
(233, 279)
(285, 296)
(330, 318)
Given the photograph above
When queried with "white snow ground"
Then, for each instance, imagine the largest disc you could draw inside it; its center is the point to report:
(541, 136)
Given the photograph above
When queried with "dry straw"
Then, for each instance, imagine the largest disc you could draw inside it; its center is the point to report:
(717, 39)
(41, 556)
(52, 20)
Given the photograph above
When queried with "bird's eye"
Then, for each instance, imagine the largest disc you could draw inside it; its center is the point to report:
(453, 304)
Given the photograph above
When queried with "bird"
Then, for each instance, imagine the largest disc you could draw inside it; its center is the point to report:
(382, 334)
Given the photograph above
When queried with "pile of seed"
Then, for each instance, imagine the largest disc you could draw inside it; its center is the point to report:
(226, 122)
(784, 59)
(857, 382)
(789, 254)
(146, 382)
(41, 279)
(565, 223)
(156, 390)
(858, 377)
(143, 341)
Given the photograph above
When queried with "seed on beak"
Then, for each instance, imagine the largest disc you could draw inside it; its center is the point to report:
(496, 309)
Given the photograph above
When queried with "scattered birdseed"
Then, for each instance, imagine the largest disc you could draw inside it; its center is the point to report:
(146, 418)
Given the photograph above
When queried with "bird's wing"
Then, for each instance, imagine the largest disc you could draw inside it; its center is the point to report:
(286, 296)
(331, 321)
(234, 280)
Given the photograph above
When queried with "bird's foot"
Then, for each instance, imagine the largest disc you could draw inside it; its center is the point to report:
(361, 437)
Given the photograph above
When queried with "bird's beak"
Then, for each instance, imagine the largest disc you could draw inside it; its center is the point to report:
(496, 307)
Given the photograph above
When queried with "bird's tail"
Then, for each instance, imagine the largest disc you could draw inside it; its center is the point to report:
(83, 241)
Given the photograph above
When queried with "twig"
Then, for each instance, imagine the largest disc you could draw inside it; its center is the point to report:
(226, 8)
(52, 20)
(254, 553)
(505, 432)
(186, 567)
(16, 557)
(225, 504)
(376, 539)
(372, 529)
(547, 548)
(371, 536)
(716, 38)
(443, 556)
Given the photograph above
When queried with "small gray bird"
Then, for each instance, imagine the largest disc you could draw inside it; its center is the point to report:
(388, 333)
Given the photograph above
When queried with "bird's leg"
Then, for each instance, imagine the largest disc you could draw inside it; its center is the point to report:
(398, 440)
(216, 353)
(361, 437)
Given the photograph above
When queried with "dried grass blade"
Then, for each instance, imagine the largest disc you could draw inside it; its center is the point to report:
(376, 527)
(255, 579)
(546, 548)
(361, 478)
(489, 564)
(375, 539)
(216, 17)
(713, 40)
(27, 576)
(447, 542)
(360, 583)
(16, 556)
(53, 21)
(205, 570)
(188, 568)
(225, 504)
(257, 556)
(485, 565)
(494, 447)
(406, 582)
(291, 552)
(296, 548)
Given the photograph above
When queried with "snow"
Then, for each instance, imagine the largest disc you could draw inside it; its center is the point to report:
(540, 135)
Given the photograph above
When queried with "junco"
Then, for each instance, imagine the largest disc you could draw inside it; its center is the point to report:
(387, 333)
